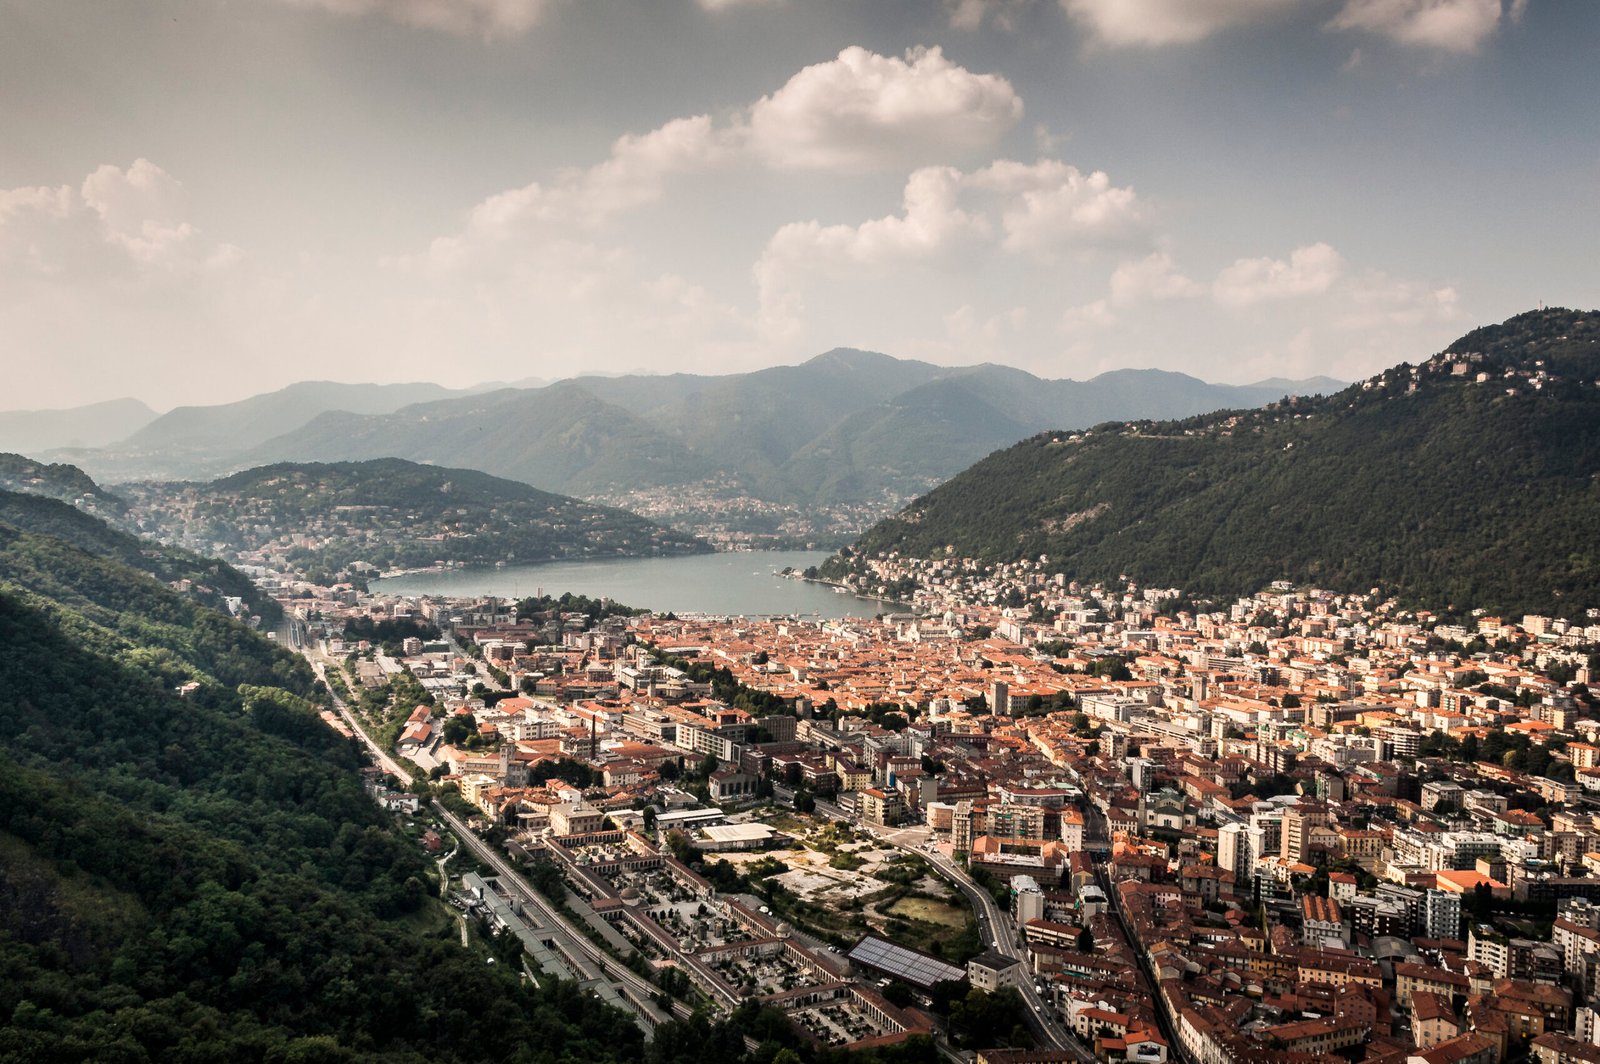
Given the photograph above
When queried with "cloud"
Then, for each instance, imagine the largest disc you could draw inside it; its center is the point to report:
(488, 19)
(1028, 211)
(1049, 206)
(1450, 25)
(633, 175)
(973, 14)
(127, 222)
(1150, 279)
(863, 111)
(929, 225)
(729, 5)
(1153, 23)
(1088, 316)
(1308, 271)
(1375, 301)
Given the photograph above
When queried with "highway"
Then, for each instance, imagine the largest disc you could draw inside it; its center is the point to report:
(633, 988)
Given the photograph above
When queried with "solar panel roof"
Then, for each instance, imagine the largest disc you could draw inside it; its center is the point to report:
(919, 969)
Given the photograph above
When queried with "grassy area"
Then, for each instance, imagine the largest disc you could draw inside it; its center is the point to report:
(929, 911)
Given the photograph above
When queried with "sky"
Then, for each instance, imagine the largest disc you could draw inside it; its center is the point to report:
(205, 199)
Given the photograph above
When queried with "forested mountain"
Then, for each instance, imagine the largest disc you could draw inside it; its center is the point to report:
(389, 512)
(60, 481)
(847, 427)
(95, 425)
(202, 878)
(209, 582)
(1471, 479)
(844, 429)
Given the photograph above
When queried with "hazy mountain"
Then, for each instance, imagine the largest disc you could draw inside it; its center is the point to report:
(1471, 479)
(844, 426)
(190, 441)
(97, 425)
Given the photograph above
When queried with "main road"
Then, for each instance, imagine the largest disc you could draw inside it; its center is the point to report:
(995, 927)
(635, 989)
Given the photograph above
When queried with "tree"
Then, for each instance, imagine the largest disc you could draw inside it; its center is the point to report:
(457, 730)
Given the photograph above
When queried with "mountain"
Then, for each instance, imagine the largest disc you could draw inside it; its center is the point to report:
(201, 876)
(204, 580)
(389, 513)
(66, 483)
(1469, 480)
(96, 425)
(200, 440)
(845, 428)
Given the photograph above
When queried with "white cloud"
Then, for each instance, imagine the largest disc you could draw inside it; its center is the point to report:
(634, 174)
(929, 225)
(1049, 206)
(1153, 278)
(1028, 211)
(728, 5)
(1375, 301)
(973, 14)
(467, 18)
(1308, 271)
(1450, 25)
(129, 222)
(1152, 23)
(863, 111)
(1088, 316)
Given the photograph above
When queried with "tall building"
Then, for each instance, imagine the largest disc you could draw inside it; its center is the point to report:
(1000, 698)
(1441, 914)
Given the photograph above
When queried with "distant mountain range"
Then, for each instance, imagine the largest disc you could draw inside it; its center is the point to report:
(1469, 480)
(847, 428)
(96, 425)
(386, 513)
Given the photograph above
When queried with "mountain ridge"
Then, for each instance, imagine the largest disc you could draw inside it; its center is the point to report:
(1469, 480)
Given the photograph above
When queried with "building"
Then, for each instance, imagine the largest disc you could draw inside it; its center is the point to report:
(991, 970)
(1441, 914)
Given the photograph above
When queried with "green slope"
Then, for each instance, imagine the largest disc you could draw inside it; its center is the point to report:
(1434, 485)
(202, 878)
(390, 512)
(58, 480)
(211, 580)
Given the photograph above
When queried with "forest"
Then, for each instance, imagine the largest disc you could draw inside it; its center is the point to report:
(1470, 480)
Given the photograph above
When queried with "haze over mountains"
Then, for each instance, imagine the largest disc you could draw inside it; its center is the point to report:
(1470, 479)
(846, 429)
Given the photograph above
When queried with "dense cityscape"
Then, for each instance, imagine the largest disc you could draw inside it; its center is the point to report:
(1299, 823)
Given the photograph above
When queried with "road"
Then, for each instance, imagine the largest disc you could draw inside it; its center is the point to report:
(994, 927)
(380, 756)
(633, 987)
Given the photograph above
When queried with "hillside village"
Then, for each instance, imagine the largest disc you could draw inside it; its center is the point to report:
(1303, 827)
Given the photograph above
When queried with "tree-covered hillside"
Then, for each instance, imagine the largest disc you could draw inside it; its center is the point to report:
(202, 878)
(392, 513)
(1471, 479)
(57, 480)
(209, 581)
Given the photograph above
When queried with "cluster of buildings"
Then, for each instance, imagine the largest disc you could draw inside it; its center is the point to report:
(1302, 827)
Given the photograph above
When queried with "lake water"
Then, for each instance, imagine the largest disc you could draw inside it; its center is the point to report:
(741, 583)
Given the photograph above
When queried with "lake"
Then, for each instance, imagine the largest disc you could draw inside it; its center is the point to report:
(741, 583)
